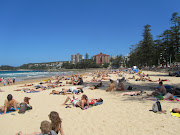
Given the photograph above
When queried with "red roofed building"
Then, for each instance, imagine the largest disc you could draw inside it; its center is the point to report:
(101, 58)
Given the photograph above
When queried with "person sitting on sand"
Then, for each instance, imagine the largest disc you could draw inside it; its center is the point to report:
(45, 129)
(111, 86)
(176, 110)
(56, 122)
(159, 91)
(132, 93)
(80, 81)
(120, 86)
(24, 106)
(9, 103)
(160, 97)
(78, 103)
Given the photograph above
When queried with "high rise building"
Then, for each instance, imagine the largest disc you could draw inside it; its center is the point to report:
(101, 58)
(76, 58)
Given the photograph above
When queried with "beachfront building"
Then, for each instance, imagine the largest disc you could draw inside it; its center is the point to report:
(101, 58)
(76, 58)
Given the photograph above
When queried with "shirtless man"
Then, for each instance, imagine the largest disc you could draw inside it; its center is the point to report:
(9, 103)
(120, 86)
(78, 103)
(111, 86)
(161, 91)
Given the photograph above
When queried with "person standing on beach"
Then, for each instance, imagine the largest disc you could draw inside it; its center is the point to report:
(4, 82)
(14, 80)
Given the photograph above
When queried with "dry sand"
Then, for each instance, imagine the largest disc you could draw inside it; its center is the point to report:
(118, 115)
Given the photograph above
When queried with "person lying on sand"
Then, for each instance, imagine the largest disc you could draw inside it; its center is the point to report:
(131, 93)
(176, 110)
(160, 97)
(26, 85)
(9, 103)
(111, 86)
(163, 80)
(23, 89)
(132, 77)
(78, 103)
(93, 101)
(94, 87)
(103, 78)
(62, 92)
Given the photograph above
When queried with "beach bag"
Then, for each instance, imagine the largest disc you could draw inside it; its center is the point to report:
(156, 107)
(23, 108)
(130, 88)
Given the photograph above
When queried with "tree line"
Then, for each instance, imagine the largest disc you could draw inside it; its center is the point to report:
(164, 50)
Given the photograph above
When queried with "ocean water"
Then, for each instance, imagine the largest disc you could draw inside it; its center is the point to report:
(28, 75)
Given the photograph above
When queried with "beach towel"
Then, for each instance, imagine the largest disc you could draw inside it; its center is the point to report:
(11, 110)
(95, 104)
(175, 114)
(32, 91)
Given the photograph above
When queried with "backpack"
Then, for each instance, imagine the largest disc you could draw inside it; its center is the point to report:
(156, 107)
(23, 108)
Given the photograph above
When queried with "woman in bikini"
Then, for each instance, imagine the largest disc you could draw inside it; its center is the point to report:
(78, 103)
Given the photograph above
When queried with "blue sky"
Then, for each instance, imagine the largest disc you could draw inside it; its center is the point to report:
(33, 31)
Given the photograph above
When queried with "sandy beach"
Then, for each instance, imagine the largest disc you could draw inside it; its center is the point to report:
(118, 115)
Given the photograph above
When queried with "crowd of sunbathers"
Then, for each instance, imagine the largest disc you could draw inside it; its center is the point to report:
(55, 125)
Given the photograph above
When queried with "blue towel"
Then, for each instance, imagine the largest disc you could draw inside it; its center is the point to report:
(33, 92)
(11, 110)
(98, 103)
